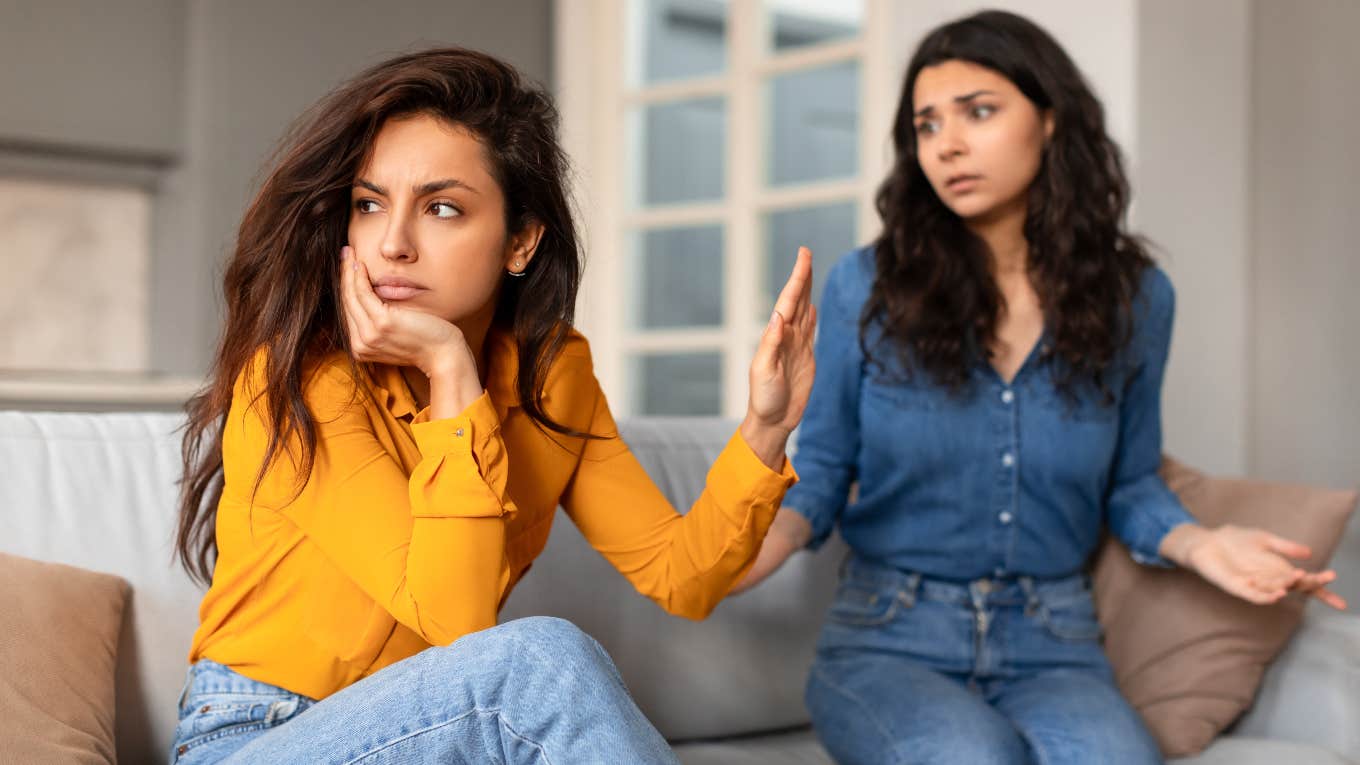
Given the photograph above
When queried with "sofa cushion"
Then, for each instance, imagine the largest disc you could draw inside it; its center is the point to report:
(99, 491)
(59, 629)
(1188, 656)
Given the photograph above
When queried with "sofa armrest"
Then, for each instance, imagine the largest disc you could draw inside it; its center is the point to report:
(1311, 693)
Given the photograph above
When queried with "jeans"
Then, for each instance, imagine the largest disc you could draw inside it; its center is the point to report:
(534, 690)
(916, 670)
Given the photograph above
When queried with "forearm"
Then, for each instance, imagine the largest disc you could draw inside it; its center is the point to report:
(789, 533)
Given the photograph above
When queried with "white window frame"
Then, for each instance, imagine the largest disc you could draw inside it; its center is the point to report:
(594, 97)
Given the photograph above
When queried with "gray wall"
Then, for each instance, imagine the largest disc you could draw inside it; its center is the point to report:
(1190, 197)
(190, 97)
(1305, 213)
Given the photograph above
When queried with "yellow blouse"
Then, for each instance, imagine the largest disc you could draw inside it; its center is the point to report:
(410, 533)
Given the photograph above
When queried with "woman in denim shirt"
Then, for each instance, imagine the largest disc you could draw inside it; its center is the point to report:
(988, 381)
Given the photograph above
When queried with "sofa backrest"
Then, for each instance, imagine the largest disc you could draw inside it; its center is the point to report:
(99, 491)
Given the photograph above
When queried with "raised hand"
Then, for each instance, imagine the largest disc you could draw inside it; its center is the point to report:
(782, 370)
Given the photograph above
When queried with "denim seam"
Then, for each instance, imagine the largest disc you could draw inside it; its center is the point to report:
(474, 711)
(866, 710)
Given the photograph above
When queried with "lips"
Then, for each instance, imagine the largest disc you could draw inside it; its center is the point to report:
(962, 182)
(397, 288)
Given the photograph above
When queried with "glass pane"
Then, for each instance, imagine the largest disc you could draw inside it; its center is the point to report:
(681, 147)
(676, 39)
(677, 278)
(827, 230)
(813, 124)
(800, 23)
(680, 384)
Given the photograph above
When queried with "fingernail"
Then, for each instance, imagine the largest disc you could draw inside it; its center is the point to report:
(345, 252)
(774, 319)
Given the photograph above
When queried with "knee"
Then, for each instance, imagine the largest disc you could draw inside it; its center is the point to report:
(541, 641)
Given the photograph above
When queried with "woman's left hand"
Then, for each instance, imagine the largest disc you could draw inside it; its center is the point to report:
(782, 370)
(1252, 564)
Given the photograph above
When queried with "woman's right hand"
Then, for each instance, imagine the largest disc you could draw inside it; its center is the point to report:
(403, 337)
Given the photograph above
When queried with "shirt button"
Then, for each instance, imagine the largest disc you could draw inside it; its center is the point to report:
(1005, 517)
(458, 433)
(1007, 396)
(1008, 459)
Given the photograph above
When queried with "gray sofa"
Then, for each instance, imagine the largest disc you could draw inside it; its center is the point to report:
(98, 491)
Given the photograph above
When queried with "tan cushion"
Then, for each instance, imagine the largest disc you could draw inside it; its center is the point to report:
(1188, 656)
(58, 649)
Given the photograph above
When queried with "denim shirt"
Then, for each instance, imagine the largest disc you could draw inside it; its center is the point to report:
(1005, 480)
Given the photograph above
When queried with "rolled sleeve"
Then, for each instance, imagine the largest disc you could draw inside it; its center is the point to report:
(1141, 508)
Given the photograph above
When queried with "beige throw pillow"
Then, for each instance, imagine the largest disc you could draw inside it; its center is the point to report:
(58, 650)
(1188, 656)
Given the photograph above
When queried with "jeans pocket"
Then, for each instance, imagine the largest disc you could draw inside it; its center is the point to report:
(1071, 620)
(216, 716)
(859, 606)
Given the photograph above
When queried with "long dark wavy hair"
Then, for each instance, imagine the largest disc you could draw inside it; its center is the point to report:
(934, 297)
(281, 285)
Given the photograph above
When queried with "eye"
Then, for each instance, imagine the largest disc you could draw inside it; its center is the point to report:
(445, 210)
(982, 111)
(365, 206)
(927, 127)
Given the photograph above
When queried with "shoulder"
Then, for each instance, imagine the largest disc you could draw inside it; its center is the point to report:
(329, 385)
(850, 280)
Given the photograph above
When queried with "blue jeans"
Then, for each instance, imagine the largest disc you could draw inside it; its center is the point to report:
(534, 690)
(915, 670)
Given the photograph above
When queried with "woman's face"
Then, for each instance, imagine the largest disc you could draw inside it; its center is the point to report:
(427, 220)
(979, 140)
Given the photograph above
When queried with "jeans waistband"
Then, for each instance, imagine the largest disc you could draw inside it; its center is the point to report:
(207, 677)
(993, 591)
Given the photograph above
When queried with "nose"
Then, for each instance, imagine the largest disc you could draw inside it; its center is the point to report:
(949, 143)
(396, 243)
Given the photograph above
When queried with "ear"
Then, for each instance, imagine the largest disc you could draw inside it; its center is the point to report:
(522, 246)
(1048, 126)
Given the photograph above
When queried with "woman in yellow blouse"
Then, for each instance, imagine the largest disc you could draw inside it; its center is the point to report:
(401, 405)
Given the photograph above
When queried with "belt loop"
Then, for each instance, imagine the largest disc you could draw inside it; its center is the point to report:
(188, 682)
(1032, 603)
(910, 588)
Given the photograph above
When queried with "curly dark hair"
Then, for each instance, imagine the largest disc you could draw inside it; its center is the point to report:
(934, 298)
(282, 283)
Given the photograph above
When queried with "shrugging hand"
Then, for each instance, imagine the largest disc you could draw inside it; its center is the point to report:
(1252, 564)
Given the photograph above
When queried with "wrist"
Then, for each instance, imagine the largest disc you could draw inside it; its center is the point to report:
(1180, 544)
(766, 441)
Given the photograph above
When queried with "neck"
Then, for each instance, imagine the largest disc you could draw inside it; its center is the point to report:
(1004, 234)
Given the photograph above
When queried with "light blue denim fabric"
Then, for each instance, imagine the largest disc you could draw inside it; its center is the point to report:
(531, 691)
(917, 670)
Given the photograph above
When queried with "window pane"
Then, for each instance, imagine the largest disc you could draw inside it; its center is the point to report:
(75, 261)
(800, 23)
(677, 39)
(828, 230)
(681, 146)
(677, 278)
(813, 124)
(679, 384)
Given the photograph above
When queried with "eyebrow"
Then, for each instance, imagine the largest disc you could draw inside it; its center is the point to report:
(422, 189)
(958, 100)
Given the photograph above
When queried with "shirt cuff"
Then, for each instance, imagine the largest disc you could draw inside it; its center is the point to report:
(464, 466)
(738, 477)
(461, 434)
